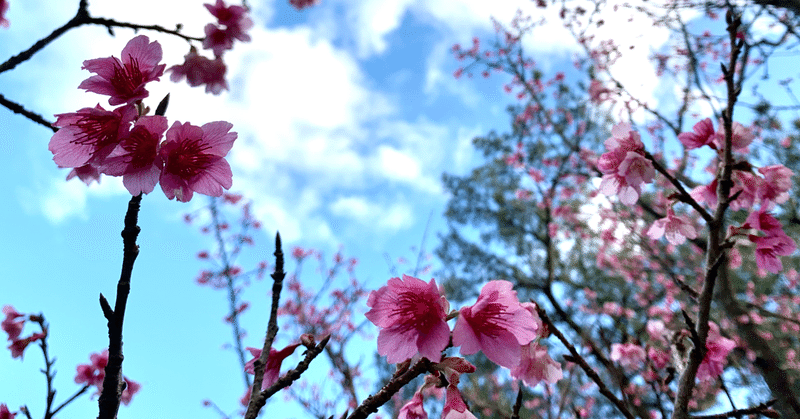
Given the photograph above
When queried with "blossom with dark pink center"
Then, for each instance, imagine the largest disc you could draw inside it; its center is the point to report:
(411, 316)
(199, 71)
(4, 412)
(414, 409)
(12, 324)
(677, 228)
(89, 135)
(136, 156)
(194, 160)
(535, 365)
(702, 134)
(454, 406)
(125, 79)
(496, 324)
(273, 369)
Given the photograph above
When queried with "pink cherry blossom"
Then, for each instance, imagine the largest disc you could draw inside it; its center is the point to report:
(194, 160)
(87, 173)
(411, 317)
(4, 412)
(717, 349)
(454, 407)
(89, 135)
(598, 93)
(536, 365)
(659, 359)
(629, 355)
(235, 22)
(702, 134)
(273, 369)
(413, 409)
(742, 137)
(12, 324)
(234, 18)
(3, 9)
(496, 324)
(135, 158)
(624, 166)
(745, 184)
(131, 388)
(199, 71)
(217, 39)
(18, 346)
(124, 80)
(763, 221)
(769, 248)
(677, 228)
(776, 183)
(706, 194)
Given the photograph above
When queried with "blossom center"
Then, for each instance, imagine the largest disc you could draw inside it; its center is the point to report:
(97, 130)
(128, 77)
(188, 159)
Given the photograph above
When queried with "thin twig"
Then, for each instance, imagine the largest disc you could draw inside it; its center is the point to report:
(578, 359)
(272, 329)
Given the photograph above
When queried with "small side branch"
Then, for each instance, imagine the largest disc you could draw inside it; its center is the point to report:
(578, 359)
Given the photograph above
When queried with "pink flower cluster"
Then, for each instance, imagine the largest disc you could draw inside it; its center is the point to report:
(412, 316)
(232, 24)
(123, 142)
(625, 167)
(13, 325)
(92, 374)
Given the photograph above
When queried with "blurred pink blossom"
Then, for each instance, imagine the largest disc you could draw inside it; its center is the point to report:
(702, 134)
(676, 228)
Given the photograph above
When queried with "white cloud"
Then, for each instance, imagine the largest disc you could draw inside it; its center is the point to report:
(390, 217)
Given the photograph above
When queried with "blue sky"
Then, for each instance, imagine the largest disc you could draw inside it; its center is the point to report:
(347, 115)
